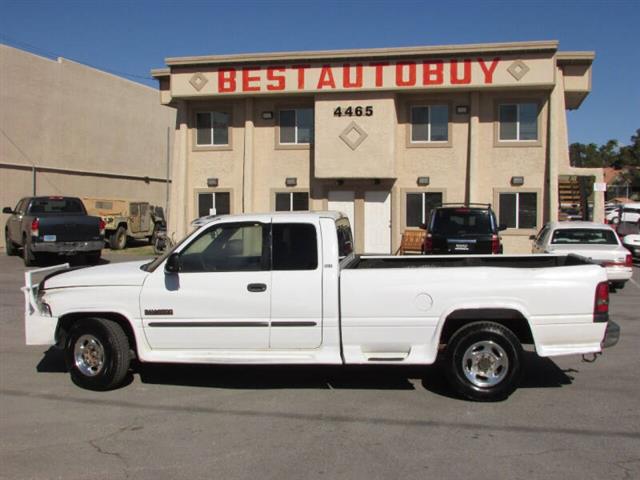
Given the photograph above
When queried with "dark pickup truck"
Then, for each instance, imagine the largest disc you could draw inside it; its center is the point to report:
(58, 225)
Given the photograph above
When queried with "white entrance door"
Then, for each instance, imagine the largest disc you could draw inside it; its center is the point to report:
(377, 222)
(342, 201)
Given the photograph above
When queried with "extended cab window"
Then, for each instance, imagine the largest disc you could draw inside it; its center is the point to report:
(231, 247)
(345, 238)
(295, 246)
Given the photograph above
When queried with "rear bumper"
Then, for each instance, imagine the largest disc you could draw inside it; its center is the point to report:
(611, 335)
(619, 274)
(67, 247)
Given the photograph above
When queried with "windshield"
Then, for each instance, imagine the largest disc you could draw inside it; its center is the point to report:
(461, 221)
(584, 236)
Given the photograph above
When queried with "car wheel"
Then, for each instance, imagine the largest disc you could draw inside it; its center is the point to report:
(484, 361)
(28, 255)
(97, 354)
(10, 248)
(118, 239)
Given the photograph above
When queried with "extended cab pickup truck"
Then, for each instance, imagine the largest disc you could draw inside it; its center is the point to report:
(285, 288)
(57, 225)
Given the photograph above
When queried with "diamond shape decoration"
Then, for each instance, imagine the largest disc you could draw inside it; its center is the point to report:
(518, 69)
(198, 80)
(353, 135)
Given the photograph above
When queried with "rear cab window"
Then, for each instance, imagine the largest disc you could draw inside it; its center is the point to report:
(452, 221)
(345, 238)
(53, 205)
(584, 236)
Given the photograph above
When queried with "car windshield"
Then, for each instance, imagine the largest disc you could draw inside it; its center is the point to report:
(584, 236)
(460, 221)
(56, 205)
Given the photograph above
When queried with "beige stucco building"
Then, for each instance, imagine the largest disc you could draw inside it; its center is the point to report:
(69, 129)
(380, 134)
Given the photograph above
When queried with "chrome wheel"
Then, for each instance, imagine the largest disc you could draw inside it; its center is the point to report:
(485, 363)
(88, 354)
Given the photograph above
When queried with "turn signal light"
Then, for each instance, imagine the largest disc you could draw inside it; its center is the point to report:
(628, 261)
(35, 227)
(427, 246)
(101, 226)
(495, 244)
(602, 298)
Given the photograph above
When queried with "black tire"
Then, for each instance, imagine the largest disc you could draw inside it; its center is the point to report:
(118, 239)
(93, 258)
(97, 354)
(10, 248)
(484, 362)
(28, 255)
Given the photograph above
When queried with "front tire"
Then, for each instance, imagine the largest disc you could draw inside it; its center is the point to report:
(484, 361)
(118, 239)
(97, 354)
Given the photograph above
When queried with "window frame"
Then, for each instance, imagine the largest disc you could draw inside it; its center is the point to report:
(422, 101)
(196, 147)
(423, 194)
(199, 191)
(540, 104)
(517, 230)
(296, 145)
(275, 192)
(428, 106)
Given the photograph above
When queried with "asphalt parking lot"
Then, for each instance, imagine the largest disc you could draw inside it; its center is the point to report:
(568, 420)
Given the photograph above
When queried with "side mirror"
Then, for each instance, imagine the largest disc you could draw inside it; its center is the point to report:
(173, 264)
(502, 227)
(532, 237)
(8, 210)
(615, 220)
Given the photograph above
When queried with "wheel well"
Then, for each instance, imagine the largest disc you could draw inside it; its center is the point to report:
(123, 224)
(66, 322)
(509, 318)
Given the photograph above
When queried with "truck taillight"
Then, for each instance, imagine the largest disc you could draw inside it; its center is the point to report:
(35, 227)
(101, 226)
(427, 246)
(495, 244)
(602, 299)
(628, 261)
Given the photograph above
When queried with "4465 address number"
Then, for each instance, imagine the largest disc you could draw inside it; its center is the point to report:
(350, 111)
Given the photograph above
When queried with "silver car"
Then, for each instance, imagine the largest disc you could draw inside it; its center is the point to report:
(596, 241)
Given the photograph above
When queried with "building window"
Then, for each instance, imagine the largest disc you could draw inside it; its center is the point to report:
(214, 203)
(419, 207)
(296, 126)
(212, 128)
(430, 123)
(292, 201)
(519, 210)
(519, 121)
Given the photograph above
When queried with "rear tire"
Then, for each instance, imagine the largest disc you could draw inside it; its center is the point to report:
(10, 248)
(28, 255)
(97, 354)
(118, 239)
(484, 361)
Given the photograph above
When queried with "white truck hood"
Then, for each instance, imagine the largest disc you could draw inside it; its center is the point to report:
(127, 273)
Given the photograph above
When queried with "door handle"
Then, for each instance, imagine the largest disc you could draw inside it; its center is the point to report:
(256, 287)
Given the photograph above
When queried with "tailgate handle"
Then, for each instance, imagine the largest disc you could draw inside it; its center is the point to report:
(256, 287)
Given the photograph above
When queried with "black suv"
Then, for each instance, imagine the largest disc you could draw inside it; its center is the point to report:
(469, 228)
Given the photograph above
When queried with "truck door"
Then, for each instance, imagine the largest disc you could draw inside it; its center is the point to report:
(220, 299)
(296, 285)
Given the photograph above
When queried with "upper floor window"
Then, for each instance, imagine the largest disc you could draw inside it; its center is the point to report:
(212, 128)
(214, 203)
(296, 126)
(430, 123)
(519, 121)
(419, 207)
(292, 201)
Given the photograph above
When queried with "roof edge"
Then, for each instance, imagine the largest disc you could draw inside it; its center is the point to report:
(366, 53)
(576, 57)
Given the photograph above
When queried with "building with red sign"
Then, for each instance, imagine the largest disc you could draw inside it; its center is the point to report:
(380, 134)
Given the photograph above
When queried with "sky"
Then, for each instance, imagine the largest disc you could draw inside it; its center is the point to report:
(129, 38)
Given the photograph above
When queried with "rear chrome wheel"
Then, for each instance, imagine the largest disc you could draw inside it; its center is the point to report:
(485, 363)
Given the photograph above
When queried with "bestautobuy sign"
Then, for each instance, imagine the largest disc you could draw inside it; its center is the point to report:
(495, 71)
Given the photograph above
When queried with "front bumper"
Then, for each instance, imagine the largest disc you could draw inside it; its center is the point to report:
(67, 248)
(611, 335)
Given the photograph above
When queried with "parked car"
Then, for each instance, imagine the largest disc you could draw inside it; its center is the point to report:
(624, 213)
(285, 288)
(595, 241)
(462, 229)
(59, 225)
(126, 220)
(632, 243)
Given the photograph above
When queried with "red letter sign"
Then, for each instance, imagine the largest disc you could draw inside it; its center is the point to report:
(326, 78)
(488, 72)
(301, 69)
(226, 80)
(247, 79)
(272, 77)
(400, 80)
(346, 76)
(454, 73)
(379, 77)
(432, 72)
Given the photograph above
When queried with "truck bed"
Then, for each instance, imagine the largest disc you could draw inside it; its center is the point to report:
(505, 261)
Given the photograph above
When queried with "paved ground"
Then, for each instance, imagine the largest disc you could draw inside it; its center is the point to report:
(569, 420)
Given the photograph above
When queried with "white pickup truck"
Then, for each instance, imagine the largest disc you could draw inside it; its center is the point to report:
(285, 288)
